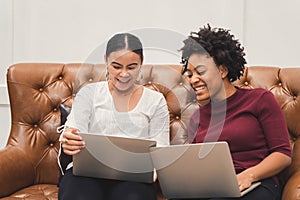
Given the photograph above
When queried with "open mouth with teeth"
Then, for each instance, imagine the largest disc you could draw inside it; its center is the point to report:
(124, 81)
(200, 89)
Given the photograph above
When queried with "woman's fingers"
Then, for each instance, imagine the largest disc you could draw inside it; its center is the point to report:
(71, 153)
(154, 175)
(70, 134)
(244, 180)
(244, 186)
(72, 143)
(71, 150)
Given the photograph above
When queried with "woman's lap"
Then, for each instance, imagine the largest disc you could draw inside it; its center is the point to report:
(268, 190)
(76, 188)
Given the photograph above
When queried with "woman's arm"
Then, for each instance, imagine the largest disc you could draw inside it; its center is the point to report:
(78, 120)
(268, 167)
(275, 131)
(159, 125)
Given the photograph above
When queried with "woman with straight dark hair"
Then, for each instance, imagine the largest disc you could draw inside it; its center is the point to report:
(118, 107)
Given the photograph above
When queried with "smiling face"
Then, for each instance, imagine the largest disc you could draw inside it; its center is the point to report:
(206, 78)
(123, 67)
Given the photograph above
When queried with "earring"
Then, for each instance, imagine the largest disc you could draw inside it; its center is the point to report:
(106, 75)
(140, 77)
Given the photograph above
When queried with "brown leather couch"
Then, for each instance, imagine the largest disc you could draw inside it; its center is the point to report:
(28, 164)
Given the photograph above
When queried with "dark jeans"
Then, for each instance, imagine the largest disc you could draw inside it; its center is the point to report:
(84, 188)
(268, 190)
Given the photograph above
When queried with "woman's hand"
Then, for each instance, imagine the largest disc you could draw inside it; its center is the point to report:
(268, 167)
(154, 175)
(71, 142)
(245, 180)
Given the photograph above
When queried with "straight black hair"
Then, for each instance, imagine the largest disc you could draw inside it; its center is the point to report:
(124, 41)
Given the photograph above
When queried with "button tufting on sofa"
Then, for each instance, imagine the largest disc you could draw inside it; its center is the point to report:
(30, 156)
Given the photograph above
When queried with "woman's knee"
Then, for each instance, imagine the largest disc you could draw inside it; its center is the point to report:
(134, 191)
(79, 188)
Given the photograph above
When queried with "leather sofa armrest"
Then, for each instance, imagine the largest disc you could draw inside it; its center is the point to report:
(16, 171)
(292, 187)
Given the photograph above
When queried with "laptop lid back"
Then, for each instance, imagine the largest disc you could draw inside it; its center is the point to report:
(195, 170)
(116, 158)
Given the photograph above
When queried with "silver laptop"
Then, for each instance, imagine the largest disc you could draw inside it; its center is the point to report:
(201, 170)
(111, 157)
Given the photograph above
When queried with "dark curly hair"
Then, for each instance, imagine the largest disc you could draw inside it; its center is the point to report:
(220, 45)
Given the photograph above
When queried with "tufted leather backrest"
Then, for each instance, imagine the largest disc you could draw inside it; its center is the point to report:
(35, 92)
(284, 83)
(37, 89)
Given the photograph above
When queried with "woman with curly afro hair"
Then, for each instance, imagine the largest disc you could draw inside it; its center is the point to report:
(249, 120)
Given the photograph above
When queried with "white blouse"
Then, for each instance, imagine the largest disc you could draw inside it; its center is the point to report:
(93, 111)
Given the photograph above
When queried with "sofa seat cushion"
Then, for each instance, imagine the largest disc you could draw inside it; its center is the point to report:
(36, 192)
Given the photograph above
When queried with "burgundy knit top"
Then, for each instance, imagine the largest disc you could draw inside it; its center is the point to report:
(250, 120)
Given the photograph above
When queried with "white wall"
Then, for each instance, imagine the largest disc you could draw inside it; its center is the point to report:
(271, 33)
(6, 58)
(76, 31)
